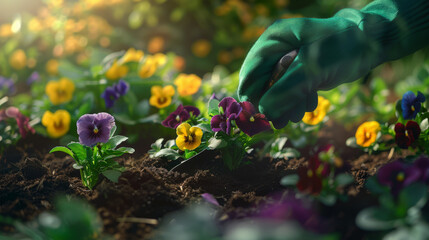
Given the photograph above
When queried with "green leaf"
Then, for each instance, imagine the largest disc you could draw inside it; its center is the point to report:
(114, 142)
(112, 175)
(64, 150)
(168, 153)
(213, 108)
(215, 143)
(343, 179)
(375, 187)
(205, 127)
(351, 142)
(290, 180)
(80, 150)
(112, 131)
(413, 194)
(375, 219)
(126, 150)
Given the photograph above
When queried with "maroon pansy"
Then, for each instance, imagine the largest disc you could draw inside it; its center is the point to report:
(422, 163)
(181, 114)
(406, 135)
(22, 121)
(229, 110)
(251, 121)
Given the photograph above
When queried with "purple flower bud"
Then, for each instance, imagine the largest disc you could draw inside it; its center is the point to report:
(94, 128)
(110, 96)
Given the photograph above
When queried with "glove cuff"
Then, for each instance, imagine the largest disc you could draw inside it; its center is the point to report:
(398, 27)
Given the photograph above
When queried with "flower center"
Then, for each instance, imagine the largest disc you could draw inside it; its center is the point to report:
(400, 177)
(309, 173)
(162, 100)
(367, 135)
(406, 133)
(189, 138)
(61, 92)
(413, 108)
(58, 124)
(177, 118)
(251, 119)
(95, 130)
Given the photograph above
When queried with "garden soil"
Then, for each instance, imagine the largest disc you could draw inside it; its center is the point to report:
(30, 179)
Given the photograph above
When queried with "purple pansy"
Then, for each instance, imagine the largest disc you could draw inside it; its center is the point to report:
(422, 163)
(110, 96)
(94, 128)
(7, 84)
(397, 175)
(229, 110)
(121, 87)
(181, 114)
(34, 77)
(411, 104)
(251, 121)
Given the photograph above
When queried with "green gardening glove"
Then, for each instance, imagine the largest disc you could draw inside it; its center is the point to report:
(331, 51)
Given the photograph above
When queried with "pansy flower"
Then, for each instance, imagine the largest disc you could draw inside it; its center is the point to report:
(411, 104)
(181, 114)
(132, 55)
(315, 117)
(151, 64)
(406, 134)
(94, 128)
(111, 94)
(34, 77)
(161, 96)
(311, 176)
(366, 134)
(422, 163)
(229, 110)
(397, 175)
(251, 121)
(7, 84)
(60, 91)
(18, 59)
(52, 67)
(21, 120)
(188, 138)
(187, 84)
(116, 71)
(57, 124)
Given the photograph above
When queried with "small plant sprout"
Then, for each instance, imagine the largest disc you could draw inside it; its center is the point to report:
(96, 148)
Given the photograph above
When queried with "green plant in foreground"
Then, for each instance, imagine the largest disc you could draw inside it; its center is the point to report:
(96, 148)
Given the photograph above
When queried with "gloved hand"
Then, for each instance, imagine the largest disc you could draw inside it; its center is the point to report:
(332, 51)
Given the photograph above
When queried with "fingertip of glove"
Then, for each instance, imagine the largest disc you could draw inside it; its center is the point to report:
(312, 101)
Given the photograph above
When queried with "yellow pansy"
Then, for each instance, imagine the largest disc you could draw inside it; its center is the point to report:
(57, 124)
(116, 71)
(188, 138)
(160, 59)
(35, 25)
(201, 48)
(6, 30)
(52, 67)
(151, 64)
(366, 134)
(315, 117)
(132, 55)
(187, 84)
(60, 91)
(18, 59)
(161, 96)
